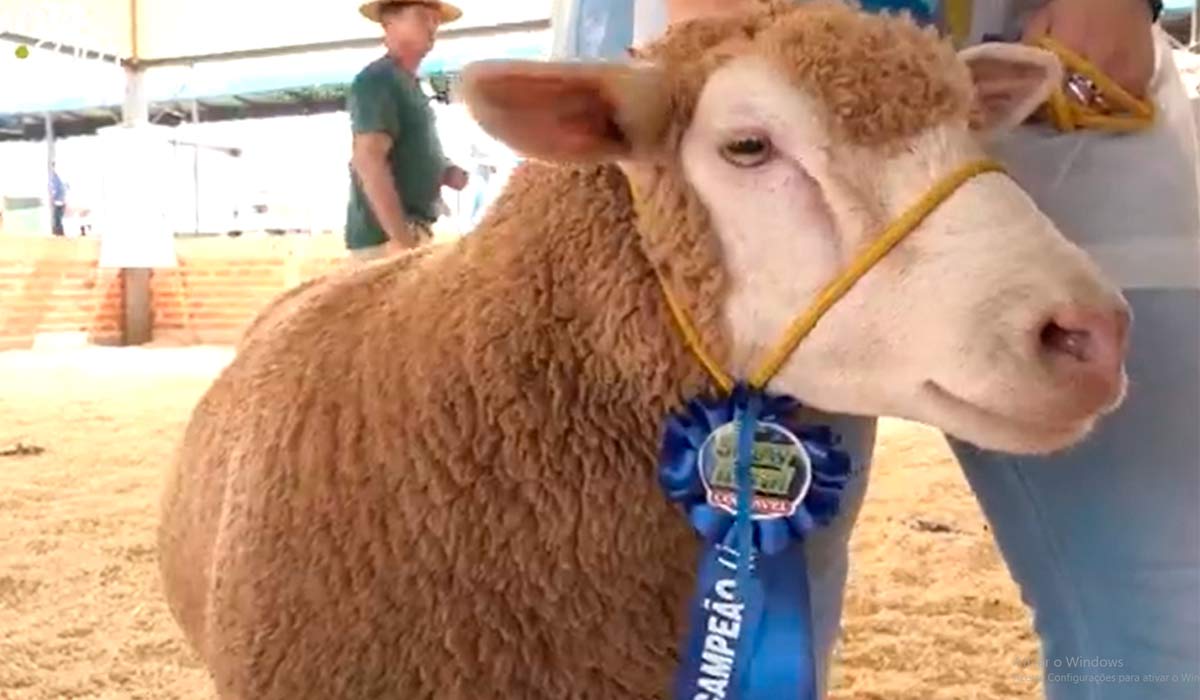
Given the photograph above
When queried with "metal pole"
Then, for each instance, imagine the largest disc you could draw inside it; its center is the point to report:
(50, 170)
(196, 167)
(138, 319)
(1195, 33)
(133, 30)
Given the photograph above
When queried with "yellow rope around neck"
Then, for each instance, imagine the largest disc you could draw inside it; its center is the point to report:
(1121, 111)
(804, 323)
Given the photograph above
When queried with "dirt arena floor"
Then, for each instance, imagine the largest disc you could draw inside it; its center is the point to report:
(931, 613)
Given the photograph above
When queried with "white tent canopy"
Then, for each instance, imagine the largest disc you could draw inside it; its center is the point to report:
(97, 25)
(153, 31)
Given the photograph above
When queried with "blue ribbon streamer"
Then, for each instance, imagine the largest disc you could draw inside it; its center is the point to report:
(751, 624)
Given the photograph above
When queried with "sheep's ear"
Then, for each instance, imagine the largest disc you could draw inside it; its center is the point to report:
(568, 112)
(1011, 82)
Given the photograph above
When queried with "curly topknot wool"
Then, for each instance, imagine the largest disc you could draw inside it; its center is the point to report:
(881, 77)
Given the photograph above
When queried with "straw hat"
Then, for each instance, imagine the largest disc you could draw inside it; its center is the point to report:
(372, 10)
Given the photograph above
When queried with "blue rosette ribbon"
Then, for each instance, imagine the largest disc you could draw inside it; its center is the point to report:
(750, 632)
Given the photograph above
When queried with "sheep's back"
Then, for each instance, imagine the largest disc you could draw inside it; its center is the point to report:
(412, 469)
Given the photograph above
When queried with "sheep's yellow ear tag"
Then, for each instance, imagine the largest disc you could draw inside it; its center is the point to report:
(780, 470)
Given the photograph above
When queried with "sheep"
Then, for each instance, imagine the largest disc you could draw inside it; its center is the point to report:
(434, 476)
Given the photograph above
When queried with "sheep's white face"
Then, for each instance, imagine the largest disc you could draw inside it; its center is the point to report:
(984, 322)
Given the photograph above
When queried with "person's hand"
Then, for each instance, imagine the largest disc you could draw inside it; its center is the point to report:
(396, 247)
(399, 242)
(1114, 35)
(455, 178)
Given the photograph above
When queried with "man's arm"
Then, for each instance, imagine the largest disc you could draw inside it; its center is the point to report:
(370, 161)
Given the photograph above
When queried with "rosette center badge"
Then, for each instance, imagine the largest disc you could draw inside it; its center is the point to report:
(780, 470)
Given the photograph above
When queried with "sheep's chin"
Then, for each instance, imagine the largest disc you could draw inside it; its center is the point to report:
(991, 430)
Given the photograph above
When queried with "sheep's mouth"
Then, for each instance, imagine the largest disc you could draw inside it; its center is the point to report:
(1031, 430)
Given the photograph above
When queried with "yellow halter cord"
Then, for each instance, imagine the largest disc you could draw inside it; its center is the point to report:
(1119, 112)
(834, 291)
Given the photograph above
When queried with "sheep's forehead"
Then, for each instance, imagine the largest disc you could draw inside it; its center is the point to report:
(880, 79)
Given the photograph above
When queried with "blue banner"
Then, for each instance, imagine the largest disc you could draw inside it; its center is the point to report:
(602, 29)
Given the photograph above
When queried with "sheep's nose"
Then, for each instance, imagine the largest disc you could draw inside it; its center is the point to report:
(1087, 346)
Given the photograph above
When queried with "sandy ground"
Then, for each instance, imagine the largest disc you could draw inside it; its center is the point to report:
(931, 613)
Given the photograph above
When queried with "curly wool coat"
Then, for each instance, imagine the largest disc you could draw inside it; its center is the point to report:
(434, 477)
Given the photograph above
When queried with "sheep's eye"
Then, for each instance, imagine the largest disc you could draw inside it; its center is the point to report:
(747, 152)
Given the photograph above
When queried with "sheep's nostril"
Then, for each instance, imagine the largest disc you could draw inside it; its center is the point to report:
(1085, 338)
(1082, 349)
(1074, 343)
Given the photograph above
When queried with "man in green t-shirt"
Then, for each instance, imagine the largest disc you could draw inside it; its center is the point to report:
(398, 167)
